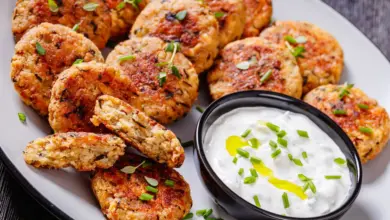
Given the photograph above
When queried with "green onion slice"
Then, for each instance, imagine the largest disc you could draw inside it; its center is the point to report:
(201, 212)
(290, 39)
(76, 26)
(145, 197)
(257, 202)
(126, 57)
(255, 160)
(276, 153)
(241, 171)
(332, 177)
(253, 172)
(254, 143)
(305, 187)
(312, 186)
(365, 130)
(120, 6)
(22, 117)
(304, 155)
(207, 213)
(249, 180)
(151, 189)
(363, 106)
(188, 216)
(52, 5)
(266, 76)
(243, 153)
(170, 183)
(286, 202)
(281, 133)
(181, 15)
(175, 71)
(40, 50)
(339, 161)
(273, 144)
(298, 51)
(303, 134)
(345, 90)
(246, 133)
(243, 65)
(200, 109)
(272, 127)
(90, 6)
(297, 162)
(162, 78)
(151, 181)
(219, 14)
(303, 177)
(282, 142)
(290, 157)
(301, 39)
(171, 46)
(339, 112)
(235, 160)
(78, 61)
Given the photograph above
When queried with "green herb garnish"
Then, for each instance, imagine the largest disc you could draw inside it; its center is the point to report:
(304, 155)
(312, 186)
(290, 39)
(90, 6)
(333, 177)
(207, 213)
(40, 50)
(255, 160)
(171, 46)
(253, 172)
(235, 160)
(78, 61)
(363, 106)
(303, 177)
(201, 212)
(145, 197)
(76, 27)
(53, 7)
(162, 78)
(175, 71)
(303, 134)
(219, 14)
(246, 133)
(290, 157)
(298, 51)
(257, 202)
(281, 133)
(200, 109)
(339, 161)
(22, 117)
(151, 189)
(266, 76)
(249, 180)
(126, 58)
(181, 15)
(273, 144)
(297, 162)
(345, 90)
(276, 153)
(188, 216)
(339, 112)
(272, 127)
(131, 169)
(170, 183)
(282, 142)
(286, 202)
(243, 65)
(301, 39)
(120, 6)
(241, 171)
(151, 181)
(254, 143)
(365, 130)
(243, 153)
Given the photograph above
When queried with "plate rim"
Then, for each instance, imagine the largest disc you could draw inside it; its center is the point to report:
(58, 213)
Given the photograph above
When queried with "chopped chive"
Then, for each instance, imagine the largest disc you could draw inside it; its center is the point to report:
(339, 112)
(301, 39)
(363, 106)
(181, 15)
(151, 189)
(200, 109)
(120, 6)
(187, 144)
(243, 65)
(312, 186)
(90, 6)
(339, 161)
(282, 142)
(254, 143)
(305, 187)
(272, 127)
(365, 130)
(201, 212)
(145, 197)
(249, 180)
(286, 202)
(253, 172)
(246, 133)
(235, 160)
(243, 153)
(290, 157)
(276, 153)
(297, 162)
(273, 144)
(303, 177)
(303, 134)
(241, 171)
(126, 57)
(304, 155)
(207, 213)
(345, 90)
(188, 216)
(255, 160)
(257, 202)
(219, 14)
(175, 72)
(78, 61)
(170, 183)
(290, 39)
(333, 177)
(22, 117)
(76, 27)
(298, 51)
(40, 50)
(53, 5)
(281, 133)
(162, 64)
(151, 181)
(162, 77)
(266, 76)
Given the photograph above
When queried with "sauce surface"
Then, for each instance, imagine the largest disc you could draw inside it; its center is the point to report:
(251, 154)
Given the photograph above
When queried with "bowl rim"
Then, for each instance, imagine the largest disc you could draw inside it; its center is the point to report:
(198, 144)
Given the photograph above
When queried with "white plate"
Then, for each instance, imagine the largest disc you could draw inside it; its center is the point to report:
(68, 195)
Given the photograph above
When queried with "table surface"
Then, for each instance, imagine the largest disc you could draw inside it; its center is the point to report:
(372, 17)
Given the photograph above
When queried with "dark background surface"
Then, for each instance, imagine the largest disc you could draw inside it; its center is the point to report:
(372, 17)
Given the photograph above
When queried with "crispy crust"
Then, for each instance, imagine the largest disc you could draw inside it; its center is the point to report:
(226, 78)
(166, 103)
(75, 92)
(95, 25)
(118, 193)
(83, 151)
(232, 23)
(34, 74)
(258, 16)
(197, 32)
(323, 57)
(326, 98)
(142, 132)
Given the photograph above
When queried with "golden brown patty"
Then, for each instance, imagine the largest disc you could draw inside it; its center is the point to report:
(163, 101)
(118, 193)
(142, 132)
(231, 18)
(244, 63)
(83, 151)
(258, 16)
(362, 112)
(322, 61)
(94, 24)
(75, 92)
(33, 73)
(196, 30)
(123, 15)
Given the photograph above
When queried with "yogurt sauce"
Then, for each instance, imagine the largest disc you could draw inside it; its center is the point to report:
(325, 182)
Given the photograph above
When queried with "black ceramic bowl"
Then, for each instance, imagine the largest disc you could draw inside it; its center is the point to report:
(231, 202)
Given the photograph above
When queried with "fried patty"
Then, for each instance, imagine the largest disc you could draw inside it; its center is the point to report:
(123, 16)
(244, 65)
(94, 24)
(33, 73)
(75, 92)
(167, 98)
(322, 61)
(188, 22)
(83, 151)
(258, 16)
(231, 19)
(362, 114)
(136, 128)
(118, 192)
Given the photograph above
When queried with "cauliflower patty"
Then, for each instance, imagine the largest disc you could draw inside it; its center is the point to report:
(253, 64)
(258, 16)
(366, 123)
(119, 193)
(33, 71)
(83, 151)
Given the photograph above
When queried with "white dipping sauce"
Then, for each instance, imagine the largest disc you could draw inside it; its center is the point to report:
(320, 148)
